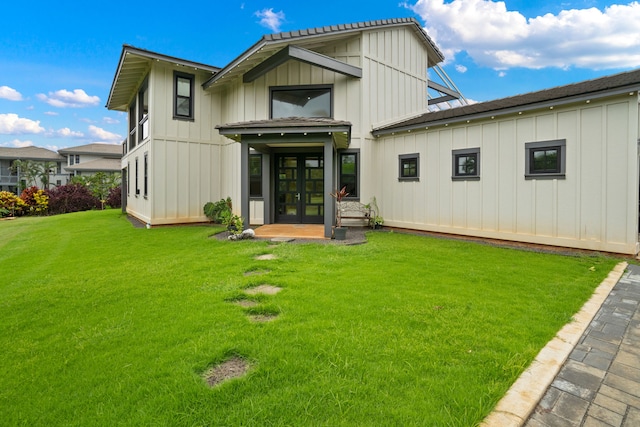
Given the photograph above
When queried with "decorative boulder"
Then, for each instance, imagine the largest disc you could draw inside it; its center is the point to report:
(248, 234)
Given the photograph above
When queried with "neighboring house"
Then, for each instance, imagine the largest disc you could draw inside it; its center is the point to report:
(12, 179)
(91, 158)
(300, 114)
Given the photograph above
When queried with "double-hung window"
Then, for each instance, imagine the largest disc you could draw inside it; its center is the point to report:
(183, 92)
(545, 159)
(466, 164)
(409, 167)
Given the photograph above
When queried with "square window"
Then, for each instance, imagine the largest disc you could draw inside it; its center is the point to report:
(466, 164)
(409, 167)
(545, 159)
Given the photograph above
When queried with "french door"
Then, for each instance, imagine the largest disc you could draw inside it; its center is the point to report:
(300, 188)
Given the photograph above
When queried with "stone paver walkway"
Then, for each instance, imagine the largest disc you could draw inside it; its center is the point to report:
(599, 384)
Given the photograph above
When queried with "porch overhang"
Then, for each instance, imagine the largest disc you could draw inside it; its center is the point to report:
(285, 131)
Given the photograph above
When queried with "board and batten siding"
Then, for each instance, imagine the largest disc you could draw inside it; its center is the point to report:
(594, 207)
(184, 155)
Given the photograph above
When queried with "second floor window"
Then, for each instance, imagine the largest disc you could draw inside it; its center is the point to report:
(301, 101)
(183, 95)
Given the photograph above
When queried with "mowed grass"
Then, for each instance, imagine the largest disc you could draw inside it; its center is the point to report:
(103, 324)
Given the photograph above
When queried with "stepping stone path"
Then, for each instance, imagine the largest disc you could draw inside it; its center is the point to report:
(266, 257)
(263, 289)
(231, 368)
(256, 272)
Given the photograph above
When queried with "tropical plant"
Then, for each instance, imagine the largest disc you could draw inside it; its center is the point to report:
(71, 198)
(339, 195)
(27, 170)
(114, 199)
(10, 204)
(215, 211)
(377, 219)
(44, 171)
(233, 222)
(36, 201)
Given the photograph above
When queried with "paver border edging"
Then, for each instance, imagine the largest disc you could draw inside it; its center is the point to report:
(518, 403)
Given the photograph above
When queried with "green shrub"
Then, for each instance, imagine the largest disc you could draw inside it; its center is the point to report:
(216, 211)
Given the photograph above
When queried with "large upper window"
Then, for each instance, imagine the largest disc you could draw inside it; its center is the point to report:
(466, 164)
(409, 165)
(349, 173)
(301, 101)
(183, 95)
(545, 159)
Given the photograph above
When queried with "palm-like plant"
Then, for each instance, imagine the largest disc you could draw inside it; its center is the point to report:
(339, 195)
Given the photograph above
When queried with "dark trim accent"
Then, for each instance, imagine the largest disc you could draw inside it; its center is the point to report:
(355, 151)
(402, 157)
(455, 176)
(301, 87)
(192, 79)
(560, 144)
(303, 55)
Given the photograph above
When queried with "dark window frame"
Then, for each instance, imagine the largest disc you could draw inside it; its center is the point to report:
(145, 182)
(353, 195)
(143, 112)
(294, 88)
(558, 172)
(456, 175)
(192, 80)
(405, 159)
(137, 181)
(255, 178)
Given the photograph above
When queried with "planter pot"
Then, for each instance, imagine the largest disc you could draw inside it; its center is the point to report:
(340, 233)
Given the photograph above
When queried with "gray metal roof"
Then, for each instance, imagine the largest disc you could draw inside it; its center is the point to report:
(271, 43)
(30, 153)
(339, 129)
(98, 165)
(627, 82)
(133, 67)
(106, 150)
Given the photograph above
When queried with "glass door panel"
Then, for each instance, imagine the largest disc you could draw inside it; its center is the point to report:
(300, 188)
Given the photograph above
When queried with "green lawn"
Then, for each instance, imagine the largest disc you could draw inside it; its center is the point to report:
(104, 324)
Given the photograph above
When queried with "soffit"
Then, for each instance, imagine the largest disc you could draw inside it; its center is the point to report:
(133, 67)
(314, 39)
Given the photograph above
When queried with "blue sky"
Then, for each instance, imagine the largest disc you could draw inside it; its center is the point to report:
(58, 59)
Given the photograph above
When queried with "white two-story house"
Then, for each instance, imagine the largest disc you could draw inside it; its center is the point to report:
(301, 114)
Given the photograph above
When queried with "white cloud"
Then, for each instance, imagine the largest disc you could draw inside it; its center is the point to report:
(9, 93)
(461, 68)
(11, 124)
(65, 133)
(16, 143)
(51, 113)
(103, 135)
(496, 37)
(110, 120)
(270, 19)
(66, 99)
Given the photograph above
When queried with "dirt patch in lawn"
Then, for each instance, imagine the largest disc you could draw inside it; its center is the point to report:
(231, 368)
(256, 272)
(263, 289)
(262, 318)
(245, 303)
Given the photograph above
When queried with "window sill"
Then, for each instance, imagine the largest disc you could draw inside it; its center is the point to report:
(545, 176)
(408, 179)
(184, 119)
(465, 178)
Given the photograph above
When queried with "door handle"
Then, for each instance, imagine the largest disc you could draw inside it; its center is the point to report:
(298, 196)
